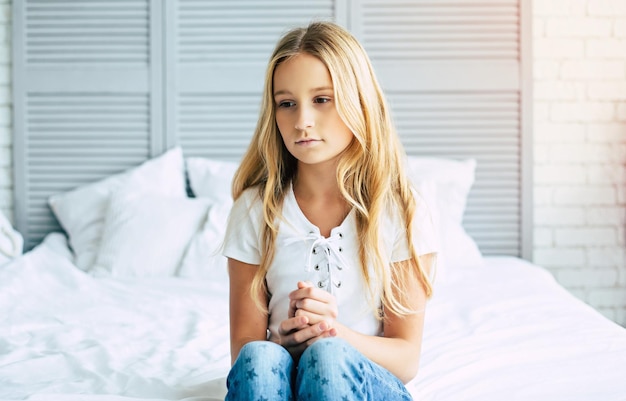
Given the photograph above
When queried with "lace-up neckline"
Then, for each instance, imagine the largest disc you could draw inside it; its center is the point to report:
(325, 261)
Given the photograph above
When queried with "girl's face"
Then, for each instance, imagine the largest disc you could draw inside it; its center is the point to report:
(306, 111)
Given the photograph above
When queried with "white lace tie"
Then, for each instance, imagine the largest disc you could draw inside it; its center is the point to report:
(331, 250)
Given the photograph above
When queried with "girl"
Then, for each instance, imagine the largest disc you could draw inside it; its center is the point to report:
(329, 248)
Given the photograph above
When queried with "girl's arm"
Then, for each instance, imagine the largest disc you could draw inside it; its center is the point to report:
(247, 322)
(399, 349)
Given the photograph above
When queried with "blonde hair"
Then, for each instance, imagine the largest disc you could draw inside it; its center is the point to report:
(370, 172)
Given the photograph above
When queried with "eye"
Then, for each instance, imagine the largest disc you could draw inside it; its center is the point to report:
(322, 100)
(286, 103)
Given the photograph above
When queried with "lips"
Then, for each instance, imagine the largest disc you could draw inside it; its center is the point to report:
(306, 142)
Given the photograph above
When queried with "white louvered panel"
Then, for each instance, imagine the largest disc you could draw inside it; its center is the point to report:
(217, 125)
(88, 32)
(433, 29)
(460, 123)
(240, 31)
(103, 130)
(40, 221)
(484, 126)
(75, 139)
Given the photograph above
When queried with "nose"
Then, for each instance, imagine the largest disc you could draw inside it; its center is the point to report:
(304, 119)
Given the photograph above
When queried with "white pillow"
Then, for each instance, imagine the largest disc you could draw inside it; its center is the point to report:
(459, 249)
(145, 235)
(211, 178)
(453, 179)
(204, 259)
(448, 183)
(81, 211)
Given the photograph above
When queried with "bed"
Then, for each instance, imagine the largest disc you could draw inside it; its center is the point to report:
(122, 294)
(131, 301)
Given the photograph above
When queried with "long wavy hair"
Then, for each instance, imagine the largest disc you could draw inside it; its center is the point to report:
(370, 172)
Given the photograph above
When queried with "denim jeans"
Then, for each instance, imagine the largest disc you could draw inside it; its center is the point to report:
(330, 369)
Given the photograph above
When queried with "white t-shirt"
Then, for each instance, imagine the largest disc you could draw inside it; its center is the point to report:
(332, 263)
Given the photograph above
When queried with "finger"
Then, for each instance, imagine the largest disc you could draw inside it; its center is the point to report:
(315, 306)
(313, 318)
(313, 293)
(304, 284)
(304, 335)
(332, 332)
(295, 323)
(328, 311)
(292, 308)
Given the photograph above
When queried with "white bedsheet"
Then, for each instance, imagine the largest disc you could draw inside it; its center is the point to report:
(64, 332)
(508, 331)
(503, 332)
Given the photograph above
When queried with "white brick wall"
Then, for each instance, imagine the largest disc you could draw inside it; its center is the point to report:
(6, 174)
(580, 148)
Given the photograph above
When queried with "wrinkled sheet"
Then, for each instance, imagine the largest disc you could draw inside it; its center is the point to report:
(63, 332)
(505, 331)
(508, 331)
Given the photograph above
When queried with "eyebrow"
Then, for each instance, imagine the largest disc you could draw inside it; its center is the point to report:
(319, 88)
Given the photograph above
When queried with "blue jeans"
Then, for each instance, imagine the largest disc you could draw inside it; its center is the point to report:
(330, 369)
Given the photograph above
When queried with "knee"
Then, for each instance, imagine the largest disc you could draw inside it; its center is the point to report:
(261, 368)
(328, 349)
(263, 353)
(327, 368)
(261, 361)
(325, 355)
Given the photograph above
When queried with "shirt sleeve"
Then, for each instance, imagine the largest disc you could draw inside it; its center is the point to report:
(242, 239)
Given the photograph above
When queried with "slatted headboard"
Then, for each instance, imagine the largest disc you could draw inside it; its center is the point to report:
(102, 86)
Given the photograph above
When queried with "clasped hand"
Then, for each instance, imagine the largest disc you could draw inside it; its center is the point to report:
(311, 316)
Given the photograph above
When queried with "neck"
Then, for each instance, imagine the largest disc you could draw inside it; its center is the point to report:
(316, 182)
(318, 197)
